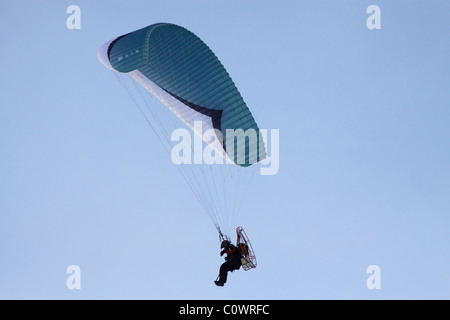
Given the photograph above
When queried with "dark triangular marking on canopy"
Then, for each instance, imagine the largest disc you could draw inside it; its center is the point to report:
(215, 115)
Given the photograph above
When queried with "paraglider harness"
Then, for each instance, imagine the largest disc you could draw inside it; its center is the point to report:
(248, 259)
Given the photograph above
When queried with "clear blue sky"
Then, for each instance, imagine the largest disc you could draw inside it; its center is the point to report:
(364, 166)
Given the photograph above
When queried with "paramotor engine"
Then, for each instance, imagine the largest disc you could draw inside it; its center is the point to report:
(248, 259)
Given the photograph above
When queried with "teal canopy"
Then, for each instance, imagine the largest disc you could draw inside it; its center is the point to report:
(182, 71)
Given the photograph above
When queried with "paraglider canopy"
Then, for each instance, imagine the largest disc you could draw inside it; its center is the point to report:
(182, 71)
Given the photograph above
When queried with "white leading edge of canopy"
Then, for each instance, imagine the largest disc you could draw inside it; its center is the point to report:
(103, 55)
